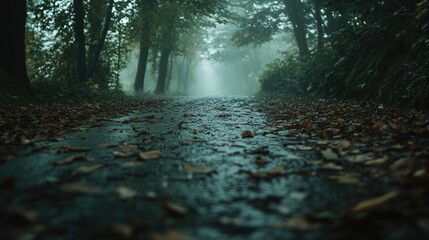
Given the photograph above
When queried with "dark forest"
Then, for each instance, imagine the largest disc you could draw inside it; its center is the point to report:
(214, 119)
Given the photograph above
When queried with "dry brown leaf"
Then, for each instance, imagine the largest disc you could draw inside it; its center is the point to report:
(378, 161)
(149, 155)
(121, 154)
(79, 188)
(71, 159)
(376, 202)
(347, 178)
(191, 169)
(73, 149)
(125, 193)
(25, 141)
(247, 134)
(260, 161)
(173, 209)
(300, 223)
(87, 169)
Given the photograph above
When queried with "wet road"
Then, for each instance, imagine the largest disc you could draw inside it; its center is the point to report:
(209, 181)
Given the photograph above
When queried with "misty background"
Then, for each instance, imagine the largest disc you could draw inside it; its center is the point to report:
(219, 69)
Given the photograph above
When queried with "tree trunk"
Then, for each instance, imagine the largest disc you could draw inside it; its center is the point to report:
(141, 68)
(319, 21)
(13, 16)
(187, 74)
(79, 26)
(145, 41)
(101, 40)
(162, 75)
(295, 12)
(170, 73)
(332, 23)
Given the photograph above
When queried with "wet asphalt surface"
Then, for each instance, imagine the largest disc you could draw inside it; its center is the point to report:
(199, 132)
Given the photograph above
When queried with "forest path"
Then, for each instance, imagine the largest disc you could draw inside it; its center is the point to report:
(218, 168)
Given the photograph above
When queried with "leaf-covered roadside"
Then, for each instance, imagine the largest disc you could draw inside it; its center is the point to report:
(355, 142)
(22, 125)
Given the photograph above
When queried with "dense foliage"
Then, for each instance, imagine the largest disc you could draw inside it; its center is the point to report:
(372, 50)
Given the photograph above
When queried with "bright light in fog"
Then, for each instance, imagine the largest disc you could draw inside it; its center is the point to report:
(206, 80)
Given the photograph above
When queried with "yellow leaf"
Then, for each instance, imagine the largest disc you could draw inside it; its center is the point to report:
(149, 155)
(125, 193)
(70, 159)
(87, 169)
(375, 202)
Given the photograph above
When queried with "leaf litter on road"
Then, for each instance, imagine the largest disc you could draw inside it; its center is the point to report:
(126, 193)
(149, 155)
(194, 169)
(87, 169)
(71, 159)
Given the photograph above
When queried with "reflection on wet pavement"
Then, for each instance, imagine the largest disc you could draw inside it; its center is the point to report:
(205, 166)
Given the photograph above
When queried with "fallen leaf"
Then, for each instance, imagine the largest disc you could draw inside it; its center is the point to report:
(300, 147)
(328, 154)
(73, 149)
(275, 172)
(87, 169)
(376, 202)
(378, 161)
(149, 155)
(347, 178)
(300, 223)
(141, 132)
(247, 134)
(121, 154)
(151, 195)
(71, 159)
(125, 193)
(175, 210)
(284, 209)
(191, 169)
(121, 231)
(132, 164)
(344, 144)
(79, 188)
(25, 141)
(260, 162)
(362, 158)
(331, 167)
(298, 195)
